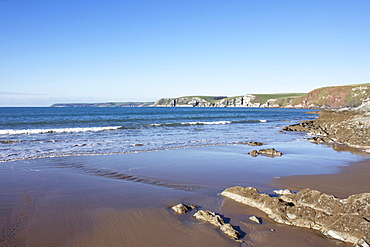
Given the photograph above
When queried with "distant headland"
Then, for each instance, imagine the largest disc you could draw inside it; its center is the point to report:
(326, 97)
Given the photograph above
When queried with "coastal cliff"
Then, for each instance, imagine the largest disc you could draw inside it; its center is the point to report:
(326, 97)
(248, 100)
(336, 97)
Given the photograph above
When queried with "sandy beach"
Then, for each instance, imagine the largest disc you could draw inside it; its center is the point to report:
(352, 179)
(124, 200)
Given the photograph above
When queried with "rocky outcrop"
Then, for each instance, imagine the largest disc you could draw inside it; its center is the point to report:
(347, 127)
(210, 217)
(182, 208)
(271, 152)
(347, 220)
(218, 221)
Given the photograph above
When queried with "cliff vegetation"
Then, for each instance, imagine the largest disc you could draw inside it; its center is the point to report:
(327, 97)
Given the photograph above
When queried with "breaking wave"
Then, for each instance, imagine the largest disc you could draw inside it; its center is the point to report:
(61, 130)
(192, 123)
(207, 123)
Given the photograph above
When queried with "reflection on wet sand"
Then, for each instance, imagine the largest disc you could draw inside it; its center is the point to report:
(103, 201)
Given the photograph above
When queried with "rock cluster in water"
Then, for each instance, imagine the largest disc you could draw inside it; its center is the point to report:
(346, 127)
(271, 152)
(255, 143)
(345, 219)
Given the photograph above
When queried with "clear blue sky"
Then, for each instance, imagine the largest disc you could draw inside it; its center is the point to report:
(142, 50)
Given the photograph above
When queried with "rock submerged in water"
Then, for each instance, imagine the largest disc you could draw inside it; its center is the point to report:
(137, 145)
(218, 221)
(271, 152)
(347, 220)
(255, 143)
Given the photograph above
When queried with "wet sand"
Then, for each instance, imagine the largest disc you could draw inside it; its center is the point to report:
(124, 200)
(352, 179)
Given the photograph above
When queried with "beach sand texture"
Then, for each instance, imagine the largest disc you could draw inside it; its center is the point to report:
(124, 200)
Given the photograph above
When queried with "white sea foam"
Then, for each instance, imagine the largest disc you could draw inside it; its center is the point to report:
(193, 123)
(61, 130)
(207, 123)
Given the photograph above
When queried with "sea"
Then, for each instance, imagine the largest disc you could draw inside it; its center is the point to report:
(37, 132)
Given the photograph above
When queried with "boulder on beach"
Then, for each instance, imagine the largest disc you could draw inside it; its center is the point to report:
(255, 219)
(182, 208)
(217, 220)
(347, 220)
(210, 217)
(229, 230)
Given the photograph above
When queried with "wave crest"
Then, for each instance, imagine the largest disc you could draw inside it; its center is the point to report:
(61, 130)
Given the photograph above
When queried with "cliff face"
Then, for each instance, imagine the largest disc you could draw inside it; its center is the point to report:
(336, 97)
(248, 100)
(327, 97)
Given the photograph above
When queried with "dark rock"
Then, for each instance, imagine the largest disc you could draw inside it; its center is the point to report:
(304, 126)
(268, 152)
(346, 220)
(137, 145)
(254, 153)
(255, 143)
(319, 139)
